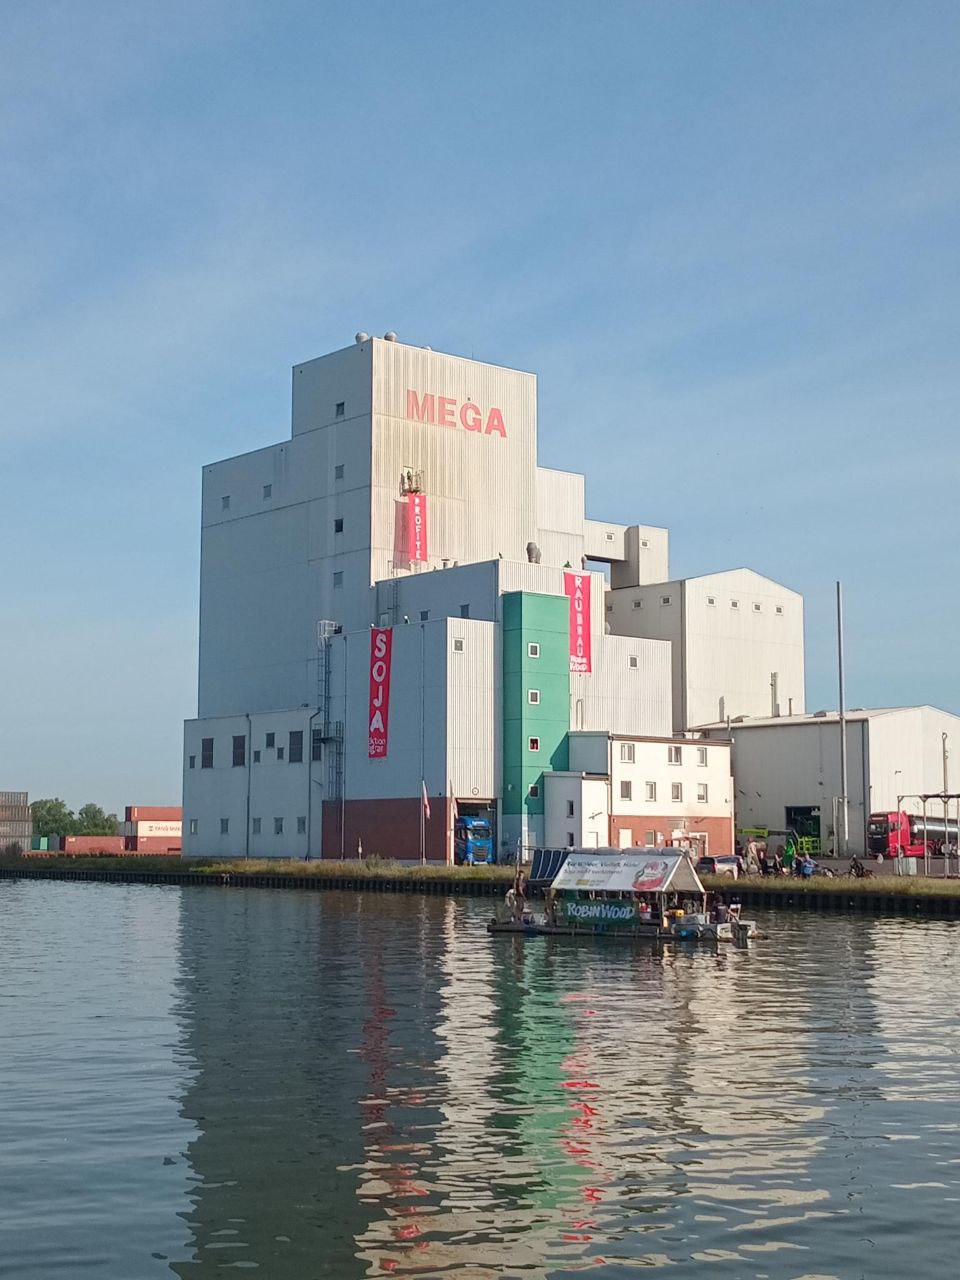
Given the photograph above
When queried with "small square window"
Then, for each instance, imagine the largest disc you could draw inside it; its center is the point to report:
(338, 578)
(224, 826)
(457, 645)
(608, 608)
(424, 615)
(609, 537)
(533, 697)
(626, 790)
(533, 790)
(533, 744)
(570, 840)
(301, 826)
(533, 649)
(701, 755)
(464, 611)
(650, 839)
(338, 471)
(665, 599)
(270, 739)
(278, 826)
(267, 491)
(225, 502)
(279, 753)
(256, 826)
(628, 752)
(779, 608)
(756, 608)
(638, 604)
(676, 790)
(256, 757)
(674, 755)
(570, 808)
(338, 525)
(651, 790)
(340, 408)
(194, 826)
(734, 604)
(193, 762)
(702, 792)
(711, 600)
(634, 662)
(644, 542)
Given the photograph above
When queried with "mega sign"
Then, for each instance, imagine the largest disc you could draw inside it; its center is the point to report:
(444, 411)
(381, 648)
(577, 587)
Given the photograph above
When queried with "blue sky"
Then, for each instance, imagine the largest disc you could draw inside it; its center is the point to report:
(725, 235)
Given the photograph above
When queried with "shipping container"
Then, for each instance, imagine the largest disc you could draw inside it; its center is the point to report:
(156, 830)
(92, 844)
(153, 844)
(153, 813)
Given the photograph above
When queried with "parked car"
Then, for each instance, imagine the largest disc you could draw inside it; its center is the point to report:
(722, 866)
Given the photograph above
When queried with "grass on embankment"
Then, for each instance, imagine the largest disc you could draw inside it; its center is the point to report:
(845, 886)
(363, 868)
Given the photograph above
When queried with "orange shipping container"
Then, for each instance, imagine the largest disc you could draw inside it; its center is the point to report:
(92, 844)
(154, 813)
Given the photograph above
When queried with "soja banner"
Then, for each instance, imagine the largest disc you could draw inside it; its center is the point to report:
(381, 650)
(417, 527)
(577, 587)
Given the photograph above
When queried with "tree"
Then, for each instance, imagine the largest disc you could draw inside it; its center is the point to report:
(52, 818)
(92, 821)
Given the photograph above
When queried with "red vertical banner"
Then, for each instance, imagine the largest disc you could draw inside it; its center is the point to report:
(577, 587)
(417, 527)
(381, 650)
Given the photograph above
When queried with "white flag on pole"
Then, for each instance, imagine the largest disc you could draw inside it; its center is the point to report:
(426, 799)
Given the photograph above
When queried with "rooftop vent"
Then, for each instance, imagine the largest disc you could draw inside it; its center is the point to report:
(818, 715)
(389, 336)
(360, 337)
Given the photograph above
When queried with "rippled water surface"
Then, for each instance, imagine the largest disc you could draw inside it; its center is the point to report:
(199, 1081)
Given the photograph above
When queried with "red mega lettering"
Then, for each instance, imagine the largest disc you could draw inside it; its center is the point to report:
(445, 411)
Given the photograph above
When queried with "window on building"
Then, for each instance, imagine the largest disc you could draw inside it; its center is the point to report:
(570, 840)
(256, 826)
(424, 615)
(256, 757)
(665, 599)
(533, 744)
(301, 826)
(676, 790)
(610, 537)
(225, 502)
(267, 491)
(269, 741)
(224, 826)
(338, 525)
(464, 611)
(316, 744)
(533, 649)
(651, 788)
(533, 790)
(626, 790)
(338, 471)
(634, 662)
(206, 753)
(711, 600)
(638, 604)
(608, 608)
(570, 808)
(533, 697)
(779, 608)
(194, 826)
(734, 604)
(644, 542)
(338, 578)
(239, 750)
(457, 645)
(674, 755)
(650, 839)
(702, 792)
(193, 762)
(701, 755)
(628, 752)
(295, 753)
(278, 826)
(279, 753)
(340, 408)
(756, 608)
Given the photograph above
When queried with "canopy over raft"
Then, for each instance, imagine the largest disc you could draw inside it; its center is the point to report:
(627, 872)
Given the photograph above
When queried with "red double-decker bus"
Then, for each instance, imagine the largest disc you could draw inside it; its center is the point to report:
(902, 834)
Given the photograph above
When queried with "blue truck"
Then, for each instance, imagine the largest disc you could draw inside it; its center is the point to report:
(472, 841)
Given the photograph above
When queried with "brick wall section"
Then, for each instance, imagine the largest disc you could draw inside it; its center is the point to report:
(388, 829)
(719, 831)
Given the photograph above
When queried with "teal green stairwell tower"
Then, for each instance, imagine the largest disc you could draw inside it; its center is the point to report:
(536, 706)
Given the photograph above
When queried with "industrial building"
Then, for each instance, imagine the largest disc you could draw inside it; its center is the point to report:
(788, 774)
(401, 611)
